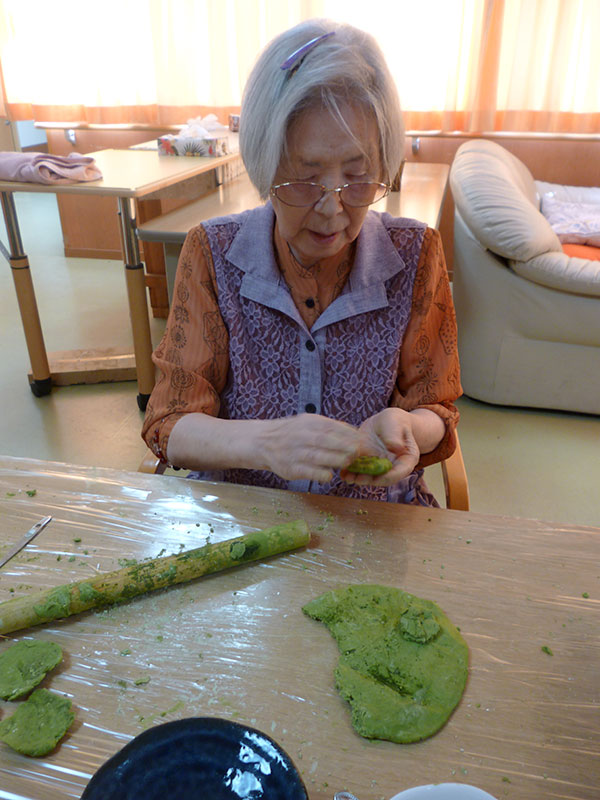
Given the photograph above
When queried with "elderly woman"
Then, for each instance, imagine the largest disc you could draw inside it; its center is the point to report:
(311, 330)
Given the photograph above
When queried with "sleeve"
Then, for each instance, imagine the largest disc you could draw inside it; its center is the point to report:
(192, 358)
(429, 371)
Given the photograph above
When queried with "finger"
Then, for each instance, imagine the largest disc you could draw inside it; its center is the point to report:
(402, 468)
(306, 472)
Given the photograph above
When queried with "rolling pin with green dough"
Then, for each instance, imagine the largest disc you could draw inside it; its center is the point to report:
(123, 584)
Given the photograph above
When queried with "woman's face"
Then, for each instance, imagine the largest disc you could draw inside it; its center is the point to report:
(321, 151)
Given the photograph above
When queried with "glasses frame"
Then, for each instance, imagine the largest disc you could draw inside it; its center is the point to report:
(325, 190)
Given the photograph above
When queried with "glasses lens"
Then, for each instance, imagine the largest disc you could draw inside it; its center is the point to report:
(298, 194)
(363, 194)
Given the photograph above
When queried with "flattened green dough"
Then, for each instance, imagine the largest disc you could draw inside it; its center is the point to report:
(403, 665)
(24, 665)
(370, 465)
(38, 724)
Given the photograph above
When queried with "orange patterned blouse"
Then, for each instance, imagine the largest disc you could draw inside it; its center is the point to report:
(196, 340)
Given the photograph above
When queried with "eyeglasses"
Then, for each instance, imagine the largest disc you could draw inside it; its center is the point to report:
(305, 193)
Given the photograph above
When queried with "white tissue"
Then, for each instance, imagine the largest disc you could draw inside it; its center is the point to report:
(202, 127)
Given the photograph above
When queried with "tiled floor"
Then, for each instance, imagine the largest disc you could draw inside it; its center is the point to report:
(520, 462)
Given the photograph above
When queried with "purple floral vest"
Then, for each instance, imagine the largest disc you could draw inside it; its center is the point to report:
(351, 362)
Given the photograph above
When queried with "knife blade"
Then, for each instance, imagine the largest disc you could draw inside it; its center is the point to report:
(31, 534)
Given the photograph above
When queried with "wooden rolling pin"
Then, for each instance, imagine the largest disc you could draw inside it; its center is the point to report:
(146, 576)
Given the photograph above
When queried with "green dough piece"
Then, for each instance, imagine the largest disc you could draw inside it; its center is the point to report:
(24, 665)
(370, 465)
(38, 724)
(403, 665)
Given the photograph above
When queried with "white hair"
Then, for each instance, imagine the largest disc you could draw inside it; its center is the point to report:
(347, 67)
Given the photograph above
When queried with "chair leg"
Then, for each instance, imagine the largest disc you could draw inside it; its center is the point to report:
(151, 464)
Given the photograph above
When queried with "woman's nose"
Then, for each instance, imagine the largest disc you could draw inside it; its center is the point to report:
(330, 203)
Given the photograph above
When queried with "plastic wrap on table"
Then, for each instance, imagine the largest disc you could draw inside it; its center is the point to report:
(237, 645)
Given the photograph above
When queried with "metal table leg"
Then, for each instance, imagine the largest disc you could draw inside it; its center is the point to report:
(41, 383)
(138, 304)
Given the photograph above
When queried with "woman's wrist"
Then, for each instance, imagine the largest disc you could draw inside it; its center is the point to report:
(428, 428)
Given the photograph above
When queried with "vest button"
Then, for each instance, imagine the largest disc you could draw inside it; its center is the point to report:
(310, 408)
(310, 302)
(310, 345)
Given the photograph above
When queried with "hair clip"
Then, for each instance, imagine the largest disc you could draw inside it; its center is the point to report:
(293, 62)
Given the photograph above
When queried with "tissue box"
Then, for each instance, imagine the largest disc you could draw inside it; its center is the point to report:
(172, 145)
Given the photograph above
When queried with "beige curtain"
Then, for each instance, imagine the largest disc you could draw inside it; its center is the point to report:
(469, 65)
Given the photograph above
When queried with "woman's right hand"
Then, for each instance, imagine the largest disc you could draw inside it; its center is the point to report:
(307, 446)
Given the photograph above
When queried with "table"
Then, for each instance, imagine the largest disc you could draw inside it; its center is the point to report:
(421, 196)
(237, 645)
(127, 175)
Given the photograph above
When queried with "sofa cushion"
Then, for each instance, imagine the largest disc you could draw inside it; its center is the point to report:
(498, 199)
(575, 275)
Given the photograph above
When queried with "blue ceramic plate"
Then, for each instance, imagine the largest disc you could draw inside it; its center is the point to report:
(199, 757)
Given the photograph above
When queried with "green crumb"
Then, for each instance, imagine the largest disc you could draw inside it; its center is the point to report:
(11, 494)
(417, 625)
(38, 724)
(506, 780)
(370, 465)
(77, 539)
(72, 558)
(87, 593)
(126, 652)
(586, 595)
(168, 574)
(122, 684)
(237, 550)
(24, 665)
(127, 562)
(31, 492)
(142, 681)
(59, 558)
(159, 638)
(546, 649)
(178, 705)
(57, 605)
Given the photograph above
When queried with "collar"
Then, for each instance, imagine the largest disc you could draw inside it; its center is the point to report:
(376, 260)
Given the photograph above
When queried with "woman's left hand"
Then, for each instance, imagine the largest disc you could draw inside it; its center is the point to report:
(388, 434)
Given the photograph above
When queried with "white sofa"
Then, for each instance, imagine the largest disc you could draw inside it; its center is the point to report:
(528, 314)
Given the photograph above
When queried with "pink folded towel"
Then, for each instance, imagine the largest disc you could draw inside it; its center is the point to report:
(47, 168)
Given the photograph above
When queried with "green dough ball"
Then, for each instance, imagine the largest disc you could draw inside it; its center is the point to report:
(369, 465)
(24, 665)
(38, 724)
(403, 665)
